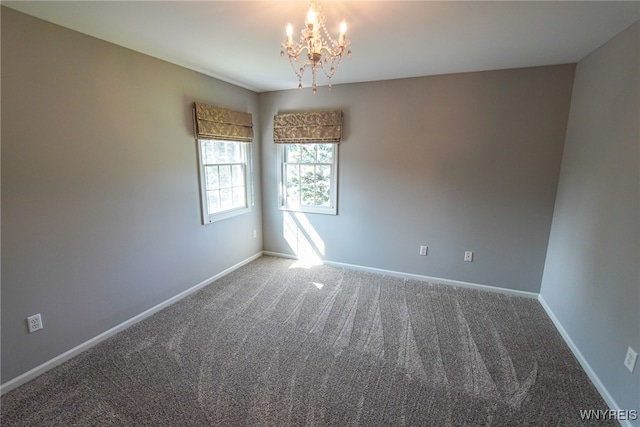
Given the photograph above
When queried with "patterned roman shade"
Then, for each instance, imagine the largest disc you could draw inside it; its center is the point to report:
(219, 123)
(310, 127)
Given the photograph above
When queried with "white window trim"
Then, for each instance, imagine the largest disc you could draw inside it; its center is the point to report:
(208, 218)
(332, 209)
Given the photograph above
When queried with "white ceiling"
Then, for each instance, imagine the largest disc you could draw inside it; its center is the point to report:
(239, 41)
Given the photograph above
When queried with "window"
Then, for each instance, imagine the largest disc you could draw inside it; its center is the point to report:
(308, 177)
(224, 178)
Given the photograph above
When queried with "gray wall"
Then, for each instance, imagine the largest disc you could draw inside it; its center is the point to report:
(101, 211)
(455, 162)
(591, 278)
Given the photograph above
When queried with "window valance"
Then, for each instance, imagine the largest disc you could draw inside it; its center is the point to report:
(310, 127)
(220, 123)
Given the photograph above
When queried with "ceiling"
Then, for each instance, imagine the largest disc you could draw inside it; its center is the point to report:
(239, 41)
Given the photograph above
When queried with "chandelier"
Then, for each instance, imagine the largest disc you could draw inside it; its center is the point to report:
(322, 51)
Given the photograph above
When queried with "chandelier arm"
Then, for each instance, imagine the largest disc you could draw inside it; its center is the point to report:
(296, 50)
(336, 52)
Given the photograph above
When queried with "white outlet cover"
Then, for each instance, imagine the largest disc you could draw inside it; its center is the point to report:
(630, 359)
(34, 322)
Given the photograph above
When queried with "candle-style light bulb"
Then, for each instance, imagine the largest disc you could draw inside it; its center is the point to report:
(311, 18)
(289, 34)
(343, 30)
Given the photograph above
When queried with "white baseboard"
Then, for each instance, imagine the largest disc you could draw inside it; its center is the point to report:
(39, 370)
(609, 400)
(419, 277)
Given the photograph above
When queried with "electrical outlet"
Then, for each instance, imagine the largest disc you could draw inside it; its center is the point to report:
(630, 359)
(468, 256)
(423, 250)
(255, 234)
(34, 322)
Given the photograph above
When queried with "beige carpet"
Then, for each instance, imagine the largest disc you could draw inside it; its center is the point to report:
(272, 344)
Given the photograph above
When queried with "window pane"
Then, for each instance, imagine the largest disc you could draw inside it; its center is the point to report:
(325, 153)
(240, 153)
(292, 153)
(292, 195)
(308, 196)
(234, 152)
(213, 201)
(206, 151)
(324, 200)
(308, 153)
(238, 197)
(211, 177)
(226, 201)
(323, 172)
(204, 148)
(237, 175)
(307, 174)
(292, 175)
(323, 186)
(225, 176)
(229, 151)
(217, 154)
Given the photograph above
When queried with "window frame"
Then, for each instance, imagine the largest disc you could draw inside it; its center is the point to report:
(210, 218)
(332, 209)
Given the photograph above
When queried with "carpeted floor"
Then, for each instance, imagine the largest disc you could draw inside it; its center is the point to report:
(273, 344)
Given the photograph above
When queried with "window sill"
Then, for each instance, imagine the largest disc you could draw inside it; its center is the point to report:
(310, 209)
(225, 215)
